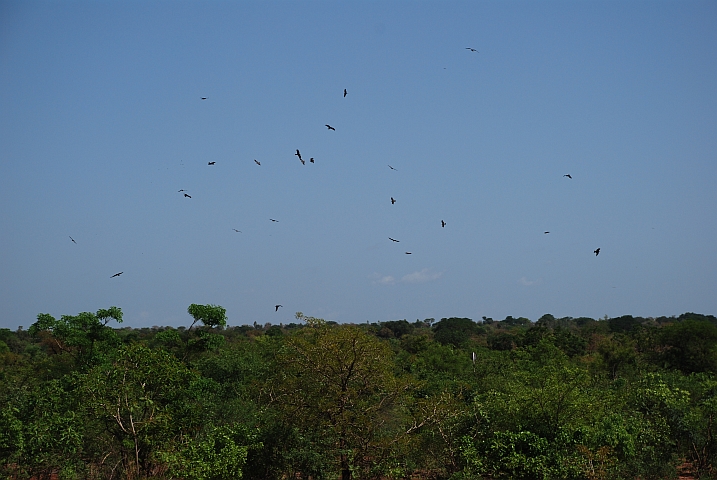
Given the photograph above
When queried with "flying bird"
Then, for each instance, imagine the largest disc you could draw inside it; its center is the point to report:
(597, 252)
(211, 163)
(443, 224)
(273, 220)
(73, 240)
(345, 92)
(276, 307)
(298, 154)
(257, 162)
(392, 168)
(188, 196)
(568, 175)
(182, 190)
(204, 98)
(311, 159)
(238, 231)
(409, 253)
(393, 200)
(472, 49)
(546, 232)
(393, 239)
(330, 127)
(116, 274)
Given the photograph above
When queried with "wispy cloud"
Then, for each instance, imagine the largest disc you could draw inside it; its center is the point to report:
(383, 279)
(421, 277)
(529, 283)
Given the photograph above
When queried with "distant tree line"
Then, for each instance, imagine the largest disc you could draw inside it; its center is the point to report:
(559, 398)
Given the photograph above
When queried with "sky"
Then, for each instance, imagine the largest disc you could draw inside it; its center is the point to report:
(102, 123)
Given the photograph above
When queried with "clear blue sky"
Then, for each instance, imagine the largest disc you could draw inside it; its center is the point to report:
(102, 122)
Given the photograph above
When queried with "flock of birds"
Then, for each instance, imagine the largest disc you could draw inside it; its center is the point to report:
(311, 160)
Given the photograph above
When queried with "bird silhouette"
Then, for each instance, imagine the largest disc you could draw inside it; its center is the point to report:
(409, 253)
(276, 307)
(546, 232)
(238, 231)
(472, 49)
(298, 154)
(330, 127)
(257, 162)
(211, 163)
(568, 175)
(182, 190)
(597, 252)
(393, 239)
(204, 98)
(73, 240)
(345, 92)
(274, 220)
(392, 168)
(393, 200)
(116, 274)
(443, 224)
(311, 160)
(187, 195)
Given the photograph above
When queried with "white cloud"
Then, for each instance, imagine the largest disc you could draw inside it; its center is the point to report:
(528, 283)
(421, 277)
(383, 279)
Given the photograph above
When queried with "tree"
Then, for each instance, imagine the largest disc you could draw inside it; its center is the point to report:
(212, 316)
(336, 384)
(454, 331)
(690, 346)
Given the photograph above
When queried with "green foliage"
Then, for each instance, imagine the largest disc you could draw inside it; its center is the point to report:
(690, 346)
(454, 331)
(212, 316)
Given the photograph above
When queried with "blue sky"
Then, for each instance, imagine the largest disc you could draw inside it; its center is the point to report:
(102, 122)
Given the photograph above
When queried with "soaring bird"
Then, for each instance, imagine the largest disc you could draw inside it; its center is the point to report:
(393, 239)
(345, 92)
(597, 252)
(409, 253)
(182, 190)
(187, 195)
(568, 175)
(238, 231)
(393, 200)
(73, 240)
(311, 160)
(257, 162)
(546, 232)
(276, 307)
(330, 127)
(211, 163)
(443, 224)
(204, 98)
(298, 154)
(116, 274)
(274, 220)
(472, 49)
(392, 168)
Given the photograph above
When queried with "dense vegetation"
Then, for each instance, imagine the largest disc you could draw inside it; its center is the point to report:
(561, 398)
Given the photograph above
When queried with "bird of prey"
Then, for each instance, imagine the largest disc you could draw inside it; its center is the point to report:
(568, 175)
(211, 163)
(330, 127)
(393, 239)
(393, 200)
(345, 92)
(73, 240)
(597, 252)
(204, 98)
(116, 274)
(311, 160)
(188, 196)
(273, 220)
(392, 168)
(443, 224)
(546, 232)
(276, 307)
(257, 162)
(298, 154)
(472, 49)
(238, 231)
(409, 253)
